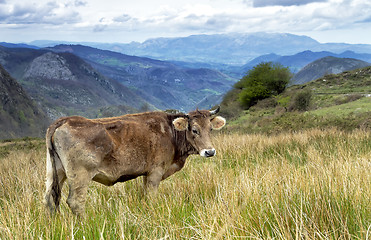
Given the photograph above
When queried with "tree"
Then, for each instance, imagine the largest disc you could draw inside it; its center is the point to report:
(264, 80)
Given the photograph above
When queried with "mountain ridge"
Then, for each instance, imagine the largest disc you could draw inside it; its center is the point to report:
(327, 65)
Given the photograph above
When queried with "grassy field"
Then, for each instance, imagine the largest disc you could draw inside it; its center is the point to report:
(307, 185)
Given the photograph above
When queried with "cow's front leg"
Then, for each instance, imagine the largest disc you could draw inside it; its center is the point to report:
(175, 167)
(172, 169)
(152, 180)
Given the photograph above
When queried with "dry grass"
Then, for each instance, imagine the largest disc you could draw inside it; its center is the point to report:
(310, 185)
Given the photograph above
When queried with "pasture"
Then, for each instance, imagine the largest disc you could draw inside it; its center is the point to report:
(314, 184)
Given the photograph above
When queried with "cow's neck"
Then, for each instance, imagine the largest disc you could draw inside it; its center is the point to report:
(182, 147)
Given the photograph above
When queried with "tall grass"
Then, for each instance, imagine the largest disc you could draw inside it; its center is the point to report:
(309, 185)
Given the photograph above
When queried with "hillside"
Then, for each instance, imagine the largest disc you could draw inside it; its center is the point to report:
(64, 84)
(327, 65)
(337, 100)
(163, 84)
(19, 115)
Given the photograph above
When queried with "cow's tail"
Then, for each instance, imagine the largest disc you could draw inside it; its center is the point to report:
(53, 188)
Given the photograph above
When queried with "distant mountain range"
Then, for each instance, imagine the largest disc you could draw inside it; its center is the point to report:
(19, 115)
(231, 49)
(327, 65)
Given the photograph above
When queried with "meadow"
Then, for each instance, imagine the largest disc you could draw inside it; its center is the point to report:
(314, 184)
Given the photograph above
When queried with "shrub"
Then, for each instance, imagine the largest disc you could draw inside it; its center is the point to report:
(301, 101)
(264, 80)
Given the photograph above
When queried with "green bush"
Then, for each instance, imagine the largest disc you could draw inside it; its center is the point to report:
(264, 80)
(301, 101)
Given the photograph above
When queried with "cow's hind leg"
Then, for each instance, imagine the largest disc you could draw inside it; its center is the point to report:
(78, 188)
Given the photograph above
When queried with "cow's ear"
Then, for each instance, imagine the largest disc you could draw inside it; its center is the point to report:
(180, 124)
(218, 122)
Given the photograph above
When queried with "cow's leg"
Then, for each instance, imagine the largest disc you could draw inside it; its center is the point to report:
(152, 180)
(172, 169)
(175, 167)
(78, 188)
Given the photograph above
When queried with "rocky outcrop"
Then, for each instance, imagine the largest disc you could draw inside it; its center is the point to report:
(64, 84)
(50, 66)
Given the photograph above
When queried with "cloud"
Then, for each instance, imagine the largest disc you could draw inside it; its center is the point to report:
(50, 13)
(297, 16)
(365, 20)
(100, 28)
(265, 3)
(79, 18)
(79, 3)
(122, 18)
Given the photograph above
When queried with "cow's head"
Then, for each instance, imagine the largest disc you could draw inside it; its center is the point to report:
(198, 125)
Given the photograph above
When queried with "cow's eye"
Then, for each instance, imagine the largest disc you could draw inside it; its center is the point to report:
(195, 131)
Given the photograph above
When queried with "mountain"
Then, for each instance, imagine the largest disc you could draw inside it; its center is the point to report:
(19, 115)
(234, 48)
(231, 49)
(297, 61)
(17, 45)
(163, 84)
(64, 84)
(325, 66)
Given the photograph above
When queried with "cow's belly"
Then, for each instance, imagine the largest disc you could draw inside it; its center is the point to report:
(109, 181)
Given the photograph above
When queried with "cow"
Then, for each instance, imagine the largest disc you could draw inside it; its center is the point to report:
(154, 145)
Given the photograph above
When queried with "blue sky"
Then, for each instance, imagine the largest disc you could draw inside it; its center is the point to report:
(137, 20)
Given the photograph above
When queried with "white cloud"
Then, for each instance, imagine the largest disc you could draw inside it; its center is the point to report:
(140, 19)
(122, 18)
(30, 13)
(264, 3)
(79, 3)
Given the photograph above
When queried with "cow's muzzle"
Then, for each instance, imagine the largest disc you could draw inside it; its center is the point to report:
(208, 152)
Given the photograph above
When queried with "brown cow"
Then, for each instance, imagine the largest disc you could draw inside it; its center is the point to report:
(110, 150)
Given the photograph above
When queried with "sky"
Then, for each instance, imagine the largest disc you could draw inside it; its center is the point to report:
(123, 21)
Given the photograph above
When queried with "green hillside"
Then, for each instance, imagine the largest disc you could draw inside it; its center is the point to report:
(338, 100)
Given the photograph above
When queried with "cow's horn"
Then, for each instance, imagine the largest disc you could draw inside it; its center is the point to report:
(215, 111)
